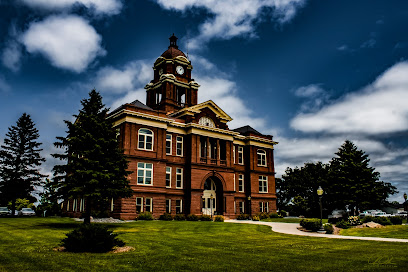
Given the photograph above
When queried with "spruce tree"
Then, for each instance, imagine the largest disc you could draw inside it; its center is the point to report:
(354, 182)
(20, 160)
(95, 168)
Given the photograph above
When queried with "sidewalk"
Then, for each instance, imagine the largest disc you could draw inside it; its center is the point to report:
(291, 228)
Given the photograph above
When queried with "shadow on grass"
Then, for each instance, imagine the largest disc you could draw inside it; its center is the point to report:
(71, 225)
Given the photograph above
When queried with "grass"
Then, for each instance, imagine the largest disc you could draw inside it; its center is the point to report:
(26, 244)
(398, 231)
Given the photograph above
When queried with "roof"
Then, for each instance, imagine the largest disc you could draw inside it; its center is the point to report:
(139, 104)
(247, 129)
(173, 50)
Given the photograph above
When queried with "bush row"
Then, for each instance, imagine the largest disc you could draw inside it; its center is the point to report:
(312, 224)
(394, 220)
(190, 217)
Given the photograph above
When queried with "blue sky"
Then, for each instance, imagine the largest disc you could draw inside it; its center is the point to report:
(311, 73)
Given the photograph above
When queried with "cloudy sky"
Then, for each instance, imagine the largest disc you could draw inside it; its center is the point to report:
(311, 73)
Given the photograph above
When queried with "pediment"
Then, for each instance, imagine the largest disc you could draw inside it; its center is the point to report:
(196, 110)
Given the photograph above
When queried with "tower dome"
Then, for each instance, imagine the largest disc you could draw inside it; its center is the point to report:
(173, 50)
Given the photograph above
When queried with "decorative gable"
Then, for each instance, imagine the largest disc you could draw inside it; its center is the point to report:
(206, 113)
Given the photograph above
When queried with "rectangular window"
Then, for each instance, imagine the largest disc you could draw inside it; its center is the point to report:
(81, 205)
(168, 144)
(179, 206)
(149, 204)
(241, 183)
(233, 154)
(263, 184)
(145, 139)
(240, 155)
(74, 208)
(139, 204)
(261, 206)
(144, 173)
(267, 207)
(179, 146)
(111, 208)
(235, 206)
(235, 188)
(168, 205)
(179, 178)
(203, 147)
(168, 177)
(242, 207)
(68, 206)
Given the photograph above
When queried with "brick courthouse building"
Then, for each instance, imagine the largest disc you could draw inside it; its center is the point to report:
(183, 156)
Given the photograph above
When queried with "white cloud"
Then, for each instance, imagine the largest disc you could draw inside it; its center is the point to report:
(309, 90)
(108, 7)
(11, 55)
(233, 17)
(121, 80)
(379, 108)
(69, 42)
(4, 86)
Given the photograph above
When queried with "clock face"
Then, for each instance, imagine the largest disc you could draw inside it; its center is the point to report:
(180, 70)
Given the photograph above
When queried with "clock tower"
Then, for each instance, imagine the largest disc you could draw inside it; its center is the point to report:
(172, 87)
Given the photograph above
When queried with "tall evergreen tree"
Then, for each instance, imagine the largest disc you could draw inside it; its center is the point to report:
(95, 166)
(20, 160)
(354, 182)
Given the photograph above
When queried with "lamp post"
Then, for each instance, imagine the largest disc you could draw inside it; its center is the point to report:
(320, 194)
(211, 204)
(249, 205)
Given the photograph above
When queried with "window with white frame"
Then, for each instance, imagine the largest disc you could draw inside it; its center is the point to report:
(145, 139)
(266, 207)
(240, 155)
(261, 206)
(263, 184)
(149, 204)
(241, 183)
(179, 146)
(233, 154)
(144, 173)
(179, 206)
(74, 208)
(235, 206)
(168, 144)
(179, 178)
(82, 205)
(139, 204)
(261, 157)
(68, 206)
(111, 207)
(242, 207)
(235, 188)
(168, 177)
(168, 205)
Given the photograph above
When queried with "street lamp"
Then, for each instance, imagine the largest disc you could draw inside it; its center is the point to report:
(211, 204)
(249, 205)
(320, 194)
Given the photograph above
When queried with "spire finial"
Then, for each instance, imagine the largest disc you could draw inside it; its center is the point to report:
(173, 41)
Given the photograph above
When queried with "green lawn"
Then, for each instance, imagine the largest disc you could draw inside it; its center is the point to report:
(400, 231)
(26, 244)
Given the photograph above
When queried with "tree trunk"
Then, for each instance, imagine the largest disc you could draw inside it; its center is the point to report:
(88, 206)
(13, 207)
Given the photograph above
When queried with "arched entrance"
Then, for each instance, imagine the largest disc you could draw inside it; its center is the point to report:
(213, 201)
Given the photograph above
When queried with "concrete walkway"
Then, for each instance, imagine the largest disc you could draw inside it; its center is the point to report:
(291, 228)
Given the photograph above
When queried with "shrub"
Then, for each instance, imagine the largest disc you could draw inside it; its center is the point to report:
(145, 216)
(243, 216)
(312, 224)
(91, 238)
(263, 216)
(179, 217)
(343, 224)
(219, 218)
(205, 217)
(192, 217)
(274, 215)
(166, 217)
(396, 220)
(334, 220)
(255, 218)
(328, 228)
(367, 219)
(283, 213)
(382, 220)
(354, 220)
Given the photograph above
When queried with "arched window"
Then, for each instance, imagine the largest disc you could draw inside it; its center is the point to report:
(145, 139)
(206, 121)
(261, 157)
